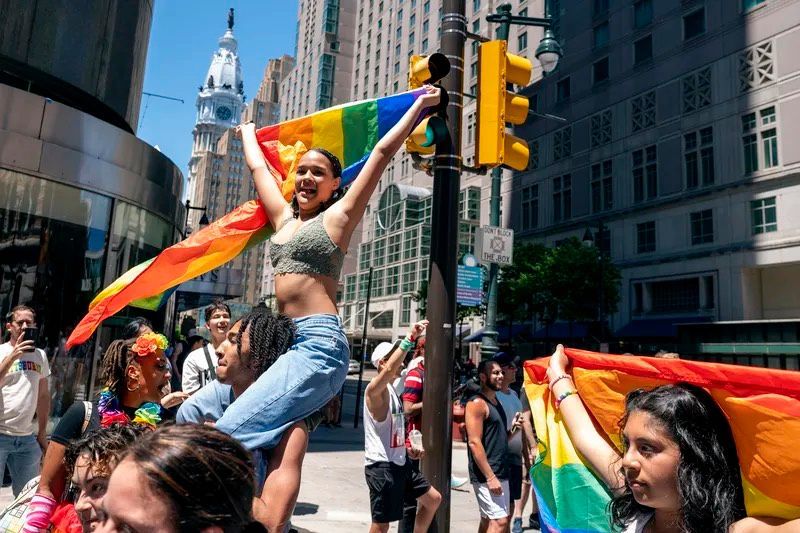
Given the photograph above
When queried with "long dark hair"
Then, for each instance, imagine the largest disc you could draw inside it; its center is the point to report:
(270, 337)
(115, 362)
(205, 476)
(336, 168)
(709, 478)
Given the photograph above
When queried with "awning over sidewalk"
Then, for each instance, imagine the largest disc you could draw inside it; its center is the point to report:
(516, 330)
(657, 327)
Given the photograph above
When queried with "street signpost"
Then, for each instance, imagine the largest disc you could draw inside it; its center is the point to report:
(495, 245)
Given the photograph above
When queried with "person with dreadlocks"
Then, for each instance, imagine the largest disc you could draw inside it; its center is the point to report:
(252, 345)
(135, 379)
(89, 462)
(307, 251)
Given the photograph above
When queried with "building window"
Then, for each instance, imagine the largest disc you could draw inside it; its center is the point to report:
(698, 157)
(395, 248)
(702, 226)
(530, 207)
(378, 276)
(364, 256)
(601, 128)
(600, 34)
(646, 237)
(533, 163)
(756, 67)
(600, 7)
(760, 124)
(602, 187)
(600, 70)
(522, 41)
(643, 50)
(643, 111)
(747, 5)
(764, 215)
(469, 204)
(642, 13)
(379, 257)
(694, 24)
(424, 44)
(562, 143)
(696, 90)
(675, 296)
(392, 280)
(405, 311)
(562, 89)
(473, 69)
(410, 277)
(562, 198)
(350, 288)
(645, 174)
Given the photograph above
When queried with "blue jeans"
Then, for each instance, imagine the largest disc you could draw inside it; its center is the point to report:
(298, 384)
(23, 456)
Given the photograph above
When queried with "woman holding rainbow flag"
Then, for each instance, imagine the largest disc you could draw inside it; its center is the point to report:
(679, 470)
(312, 233)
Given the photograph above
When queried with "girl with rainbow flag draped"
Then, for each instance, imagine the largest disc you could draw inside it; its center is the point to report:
(679, 471)
(311, 236)
(136, 381)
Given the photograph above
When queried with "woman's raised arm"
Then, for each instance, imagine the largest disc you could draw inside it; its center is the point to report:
(353, 204)
(269, 192)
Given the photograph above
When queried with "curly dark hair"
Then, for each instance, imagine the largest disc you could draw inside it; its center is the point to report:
(336, 168)
(205, 477)
(270, 337)
(709, 478)
(104, 446)
(115, 361)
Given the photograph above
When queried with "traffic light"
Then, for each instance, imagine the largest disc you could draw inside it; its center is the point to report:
(497, 106)
(422, 70)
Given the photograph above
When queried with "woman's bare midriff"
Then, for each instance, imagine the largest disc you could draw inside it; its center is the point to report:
(302, 295)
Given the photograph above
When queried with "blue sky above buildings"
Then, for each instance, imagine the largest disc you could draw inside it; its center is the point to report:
(183, 37)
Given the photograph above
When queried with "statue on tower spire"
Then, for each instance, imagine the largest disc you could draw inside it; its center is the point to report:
(230, 19)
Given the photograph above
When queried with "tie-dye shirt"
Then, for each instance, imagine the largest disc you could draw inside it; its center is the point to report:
(19, 391)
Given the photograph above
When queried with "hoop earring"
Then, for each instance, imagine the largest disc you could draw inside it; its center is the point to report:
(128, 386)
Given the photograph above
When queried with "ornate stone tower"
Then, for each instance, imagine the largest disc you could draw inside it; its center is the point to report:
(220, 101)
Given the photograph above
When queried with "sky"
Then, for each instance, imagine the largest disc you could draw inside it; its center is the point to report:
(183, 38)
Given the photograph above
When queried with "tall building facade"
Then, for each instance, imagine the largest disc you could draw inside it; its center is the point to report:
(395, 238)
(220, 178)
(680, 141)
(82, 199)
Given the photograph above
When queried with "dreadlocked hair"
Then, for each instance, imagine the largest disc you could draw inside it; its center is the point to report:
(115, 361)
(336, 168)
(270, 337)
(103, 447)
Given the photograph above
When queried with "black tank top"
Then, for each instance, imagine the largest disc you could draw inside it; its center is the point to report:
(495, 442)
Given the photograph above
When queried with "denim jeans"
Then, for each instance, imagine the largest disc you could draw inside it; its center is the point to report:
(298, 384)
(23, 456)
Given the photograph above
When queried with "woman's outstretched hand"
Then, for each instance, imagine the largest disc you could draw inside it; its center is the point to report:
(558, 363)
(246, 129)
(431, 97)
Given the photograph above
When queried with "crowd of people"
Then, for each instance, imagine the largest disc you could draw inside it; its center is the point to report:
(225, 453)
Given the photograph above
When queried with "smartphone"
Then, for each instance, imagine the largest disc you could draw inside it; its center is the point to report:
(31, 334)
(516, 422)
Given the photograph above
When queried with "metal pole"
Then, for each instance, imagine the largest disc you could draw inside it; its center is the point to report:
(357, 412)
(490, 334)
(601, 299)
(437, 413)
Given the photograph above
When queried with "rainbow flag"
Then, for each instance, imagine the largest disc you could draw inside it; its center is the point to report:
(762, 406)
(349, 131)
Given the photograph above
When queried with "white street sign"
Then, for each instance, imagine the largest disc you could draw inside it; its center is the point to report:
(495, 245)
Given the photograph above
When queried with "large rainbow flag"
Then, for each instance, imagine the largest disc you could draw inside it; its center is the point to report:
(762, 406)
(349, 131)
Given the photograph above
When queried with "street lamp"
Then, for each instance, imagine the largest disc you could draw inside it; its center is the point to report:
(548, 52)
(203, 219)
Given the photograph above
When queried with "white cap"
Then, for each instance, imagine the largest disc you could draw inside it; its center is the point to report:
(382, 350)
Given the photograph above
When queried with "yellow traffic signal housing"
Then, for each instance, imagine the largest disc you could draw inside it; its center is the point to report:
(422, 70)
(497, 105)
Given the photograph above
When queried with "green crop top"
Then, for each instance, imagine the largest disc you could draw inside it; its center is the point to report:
(310, 251)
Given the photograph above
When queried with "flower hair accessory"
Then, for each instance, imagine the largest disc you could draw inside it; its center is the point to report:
(149, 343)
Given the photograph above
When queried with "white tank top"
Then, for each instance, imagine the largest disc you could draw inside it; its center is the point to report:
(385, 441)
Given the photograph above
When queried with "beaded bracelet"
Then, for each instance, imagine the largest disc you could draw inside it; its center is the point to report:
(559, 378)
(406, 344)
(563, 396)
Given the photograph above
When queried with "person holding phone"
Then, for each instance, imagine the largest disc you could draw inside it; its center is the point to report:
(23, 386)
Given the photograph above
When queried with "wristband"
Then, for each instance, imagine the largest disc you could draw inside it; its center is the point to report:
(559, 378)
(563, 396)
(406, 344)
(40, 510)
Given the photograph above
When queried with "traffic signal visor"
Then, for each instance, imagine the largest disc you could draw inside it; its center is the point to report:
(497, 105)
(422, 70)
